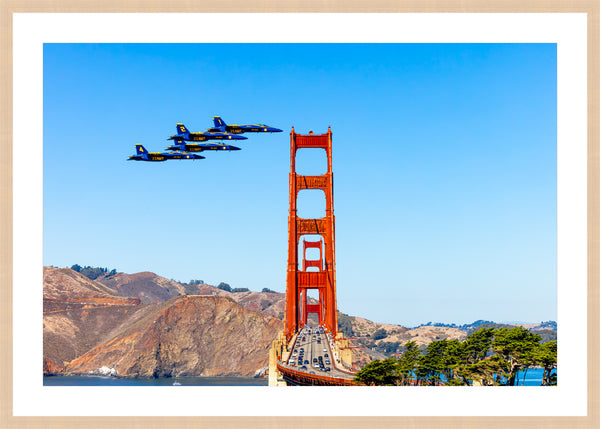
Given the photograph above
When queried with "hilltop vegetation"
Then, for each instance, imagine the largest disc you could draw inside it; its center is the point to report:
(478, 324)
(190, 288)
(466, 327)
(93, 273)
(488, 357)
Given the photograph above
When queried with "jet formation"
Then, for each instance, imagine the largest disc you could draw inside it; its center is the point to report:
(186, 142)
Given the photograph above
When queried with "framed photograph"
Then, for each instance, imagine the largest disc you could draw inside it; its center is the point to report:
(463, 160)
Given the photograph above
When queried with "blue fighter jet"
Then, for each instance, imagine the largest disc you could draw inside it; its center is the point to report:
(220, 125)
(144, 155)
(181, 145)
(184, 134)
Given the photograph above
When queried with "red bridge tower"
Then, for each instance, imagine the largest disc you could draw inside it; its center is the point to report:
(299, 282)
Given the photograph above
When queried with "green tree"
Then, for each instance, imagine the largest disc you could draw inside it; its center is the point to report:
(545, 356)
(388, 346)
(224, 286)
(431, 364)
(345, 325)
(407, 363)
(477, 345)
(379, 334)
(455, 355)
(92, 273)
(378, 373)
(486, 372)
(517, 346)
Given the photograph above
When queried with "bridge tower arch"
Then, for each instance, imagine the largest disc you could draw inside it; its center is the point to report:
(299, 279)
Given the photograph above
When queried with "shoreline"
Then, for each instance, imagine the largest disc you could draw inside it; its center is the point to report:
(74, 380)
(262, 377)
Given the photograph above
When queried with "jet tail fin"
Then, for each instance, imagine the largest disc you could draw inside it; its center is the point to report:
(141, 150)
(182, 130)
(179, 143)
(219, 123)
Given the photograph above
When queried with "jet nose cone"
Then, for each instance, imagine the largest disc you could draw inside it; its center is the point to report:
(275, 130)
(234, 148)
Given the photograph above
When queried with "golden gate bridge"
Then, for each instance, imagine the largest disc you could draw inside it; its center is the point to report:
(299, 354)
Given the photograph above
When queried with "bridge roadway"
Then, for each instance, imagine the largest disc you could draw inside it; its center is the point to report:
(310, 355)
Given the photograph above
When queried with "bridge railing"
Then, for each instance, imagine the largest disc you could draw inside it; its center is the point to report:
(340, 366)
(314, 378)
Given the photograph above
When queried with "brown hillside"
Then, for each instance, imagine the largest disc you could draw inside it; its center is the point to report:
(363, 327)
(77, 314)
(152, 288)
(188, 335)
(271, 304)
(394, 336)
(63, 285)
(424, 335)
(147, 286)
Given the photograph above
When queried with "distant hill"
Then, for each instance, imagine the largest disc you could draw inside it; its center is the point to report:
(386, 340)
(472, 327)
(488, 325)
(381, 340)
(87, 323)
(466, 327)
(152, 288)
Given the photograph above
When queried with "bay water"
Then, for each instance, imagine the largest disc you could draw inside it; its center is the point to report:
(90, 380)
(533, 377)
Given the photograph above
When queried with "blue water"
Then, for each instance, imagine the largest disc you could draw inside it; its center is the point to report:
(533, 377)
(84, 380)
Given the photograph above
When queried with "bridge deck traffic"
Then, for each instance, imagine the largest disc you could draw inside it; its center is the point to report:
(311, 359)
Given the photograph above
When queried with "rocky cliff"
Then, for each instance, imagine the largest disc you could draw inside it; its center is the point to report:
(78, 315)
(188, 335)
(88, 325)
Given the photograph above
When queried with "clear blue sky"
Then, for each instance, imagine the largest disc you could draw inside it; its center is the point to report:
(444, 163)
